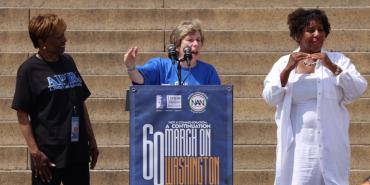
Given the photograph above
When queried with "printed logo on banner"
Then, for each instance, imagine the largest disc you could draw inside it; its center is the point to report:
(198, 102)
(161, 102)
(174, 101)
(168, 102)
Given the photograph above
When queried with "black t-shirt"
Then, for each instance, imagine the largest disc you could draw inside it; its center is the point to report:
(48, 91)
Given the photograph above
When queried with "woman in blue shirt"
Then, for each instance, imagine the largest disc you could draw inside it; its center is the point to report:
(161, 71)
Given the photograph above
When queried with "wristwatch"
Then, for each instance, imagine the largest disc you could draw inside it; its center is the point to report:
(131, 69)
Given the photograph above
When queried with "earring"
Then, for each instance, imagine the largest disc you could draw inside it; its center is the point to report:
(43, 47)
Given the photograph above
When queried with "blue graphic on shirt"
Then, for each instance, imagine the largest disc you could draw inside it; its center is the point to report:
(64, 81)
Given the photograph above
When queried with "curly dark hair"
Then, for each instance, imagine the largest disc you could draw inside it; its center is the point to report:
(300, 18)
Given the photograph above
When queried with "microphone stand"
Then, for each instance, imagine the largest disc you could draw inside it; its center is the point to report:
(187, 57)
(179, 72)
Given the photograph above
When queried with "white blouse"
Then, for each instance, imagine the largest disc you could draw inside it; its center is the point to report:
(333, 92)
(304, 102)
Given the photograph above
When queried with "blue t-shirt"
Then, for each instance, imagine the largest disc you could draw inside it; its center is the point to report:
(161, 71)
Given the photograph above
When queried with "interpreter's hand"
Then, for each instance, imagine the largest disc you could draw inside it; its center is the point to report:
(325, 61)
(42, 166)
(93, 153)
(294, 59)
(130, 58)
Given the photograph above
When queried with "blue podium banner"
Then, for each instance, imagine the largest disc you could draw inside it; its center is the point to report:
(181, 135)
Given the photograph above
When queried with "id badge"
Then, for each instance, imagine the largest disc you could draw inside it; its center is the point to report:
(75, 129)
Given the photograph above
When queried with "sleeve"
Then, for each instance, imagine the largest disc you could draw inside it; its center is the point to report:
(273, 93)
(22, 99)
(151, 71)
(350, 80)
(214, 78)
(84, 91)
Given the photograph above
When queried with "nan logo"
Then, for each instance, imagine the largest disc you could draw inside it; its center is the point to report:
(198, 102)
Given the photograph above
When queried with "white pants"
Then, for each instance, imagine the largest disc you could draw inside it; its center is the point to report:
(307, 168)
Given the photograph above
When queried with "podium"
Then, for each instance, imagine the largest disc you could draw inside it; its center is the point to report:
(181, 135)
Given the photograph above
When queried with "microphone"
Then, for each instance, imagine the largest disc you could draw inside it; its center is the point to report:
(172, 54)
(187, 55)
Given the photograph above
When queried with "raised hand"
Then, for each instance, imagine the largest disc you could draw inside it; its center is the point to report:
(294, 59)
(323, 58)
(130, 58)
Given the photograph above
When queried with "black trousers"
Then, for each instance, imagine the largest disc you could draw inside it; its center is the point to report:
(77, 174)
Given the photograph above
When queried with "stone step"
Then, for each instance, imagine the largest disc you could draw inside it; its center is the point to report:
(16, 158)
(99, 41)
(181, 4)
(263, 157)
(244, 157)
(266, 177)
(14, 18)
(155, 41)
(10, 62)
(256, 109)
(263, 3)
(110, 158)
(168, 19)
(10, 134)
(245, 133)
(245, 109)
(97, 177)
(121, 177)
(100, 109)
(264, 133)
(226, 63)
(245, 86)
(66, 4)
(106, 133)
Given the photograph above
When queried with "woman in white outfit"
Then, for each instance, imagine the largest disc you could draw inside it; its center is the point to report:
(310, 88)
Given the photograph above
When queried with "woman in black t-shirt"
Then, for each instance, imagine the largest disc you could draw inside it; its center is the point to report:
(50, 103)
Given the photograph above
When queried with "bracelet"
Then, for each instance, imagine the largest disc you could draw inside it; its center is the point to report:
(337, 71)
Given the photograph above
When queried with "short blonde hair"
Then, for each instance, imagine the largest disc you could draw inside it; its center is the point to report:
(186, 28)
(45, 25)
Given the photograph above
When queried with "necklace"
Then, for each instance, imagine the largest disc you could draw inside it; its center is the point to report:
(39, 56)
(43, 59)
(306, 63)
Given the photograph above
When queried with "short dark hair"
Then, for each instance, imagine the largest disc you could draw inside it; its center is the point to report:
(299, 19)
(45, 25)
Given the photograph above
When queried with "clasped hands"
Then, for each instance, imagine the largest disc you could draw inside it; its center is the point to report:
(296, 57)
